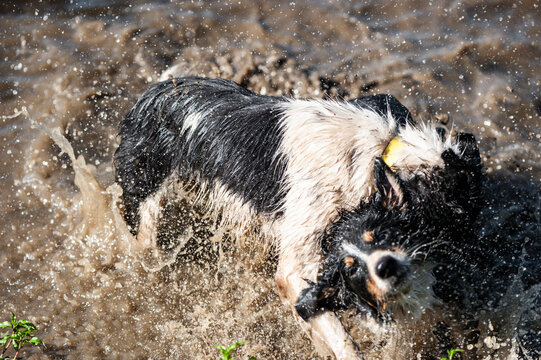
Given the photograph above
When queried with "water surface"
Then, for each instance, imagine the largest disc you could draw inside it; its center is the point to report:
(67, 261)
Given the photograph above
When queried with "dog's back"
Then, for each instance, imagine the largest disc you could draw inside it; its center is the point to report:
(201, 129)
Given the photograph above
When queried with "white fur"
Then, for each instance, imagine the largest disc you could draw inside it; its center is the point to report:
(331, 148)
(423, 147)
(150, 212)
(236, 215)
(354, 250)
(190, 123)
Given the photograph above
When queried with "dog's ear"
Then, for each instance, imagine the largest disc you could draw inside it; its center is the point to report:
(462, 172)
(469, 152)
(313, 299)
(320, 295)
(468, 155)
(307, 303)
(390, 192)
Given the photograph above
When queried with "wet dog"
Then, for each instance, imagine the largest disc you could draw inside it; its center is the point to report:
(295, 170)
(379, 257)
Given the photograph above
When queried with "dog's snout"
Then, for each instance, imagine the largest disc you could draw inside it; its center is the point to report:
(388, 266)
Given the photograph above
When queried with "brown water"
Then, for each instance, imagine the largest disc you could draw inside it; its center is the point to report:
(67, 262)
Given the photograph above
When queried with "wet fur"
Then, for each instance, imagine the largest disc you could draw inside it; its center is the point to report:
(419, 217)
(283, 169)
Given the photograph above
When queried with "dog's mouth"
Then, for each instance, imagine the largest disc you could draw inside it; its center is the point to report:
(408, 293)
(388, 271)
(384, 296)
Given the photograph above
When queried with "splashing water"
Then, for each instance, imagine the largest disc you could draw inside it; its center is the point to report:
(70, 265)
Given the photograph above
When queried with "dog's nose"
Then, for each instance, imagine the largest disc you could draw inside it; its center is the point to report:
(388, 266)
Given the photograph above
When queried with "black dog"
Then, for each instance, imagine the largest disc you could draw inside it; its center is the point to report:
(286, 170)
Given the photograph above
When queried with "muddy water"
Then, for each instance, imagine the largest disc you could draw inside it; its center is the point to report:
(67, 262)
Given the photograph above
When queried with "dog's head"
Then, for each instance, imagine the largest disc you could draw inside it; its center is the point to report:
(376, 255)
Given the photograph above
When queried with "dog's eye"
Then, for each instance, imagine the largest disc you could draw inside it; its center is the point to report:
(382, 236)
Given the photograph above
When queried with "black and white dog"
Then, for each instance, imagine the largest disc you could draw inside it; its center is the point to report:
(345, 191)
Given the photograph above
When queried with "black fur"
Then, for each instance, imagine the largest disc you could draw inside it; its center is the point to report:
(384, 104)
(438, 208)
(236, 143)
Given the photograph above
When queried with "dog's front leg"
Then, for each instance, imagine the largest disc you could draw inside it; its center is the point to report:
(150, 212)
(325, 329)
(331, 332)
